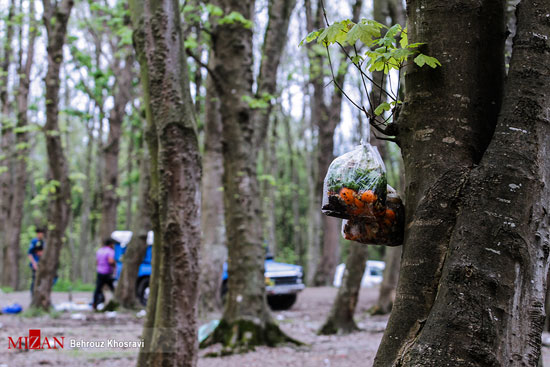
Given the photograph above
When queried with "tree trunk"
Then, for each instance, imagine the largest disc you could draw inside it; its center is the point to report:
(327, 118)
(84, 236)
(130, 156)
(340, 319)
(6, 150)
(213, 248)
(273, 46)
(124, 75)
(246, 319)
(489, 309)
(444, 129)
(13, 232)
(125, 292)
(170, 331)
(389, 281)
(56, 17)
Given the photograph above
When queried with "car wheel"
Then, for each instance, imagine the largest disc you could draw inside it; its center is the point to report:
(142, 290)
(281, 302)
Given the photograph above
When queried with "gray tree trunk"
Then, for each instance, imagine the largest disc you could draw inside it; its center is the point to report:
(125, 292)
(476, 297)
(246, 319)
(123, 87)
(340, 319)
(56, 17)
(20, 175)
(213, 247)
(6, 149)
(170, 330)
(489, 309)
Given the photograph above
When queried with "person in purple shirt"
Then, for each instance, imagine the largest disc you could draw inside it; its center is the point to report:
(105, 265)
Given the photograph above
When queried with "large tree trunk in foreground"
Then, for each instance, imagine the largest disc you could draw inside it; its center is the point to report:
(490, 306)
(175, 180)
(13, 232)
(123, 87)
(125, 292)
(472, 281)
(340, 319)
(56, 17)
(246, 319)
(213, 247)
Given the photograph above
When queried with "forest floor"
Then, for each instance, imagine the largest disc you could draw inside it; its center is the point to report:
(301, 322)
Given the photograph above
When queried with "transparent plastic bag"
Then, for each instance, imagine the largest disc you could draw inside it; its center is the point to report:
(386, 228)
(355, 184)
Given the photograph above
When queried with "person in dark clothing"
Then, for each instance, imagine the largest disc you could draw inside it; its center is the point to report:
(35, 252)
(105, 265)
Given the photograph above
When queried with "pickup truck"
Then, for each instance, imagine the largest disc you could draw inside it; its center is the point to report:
(283, 281)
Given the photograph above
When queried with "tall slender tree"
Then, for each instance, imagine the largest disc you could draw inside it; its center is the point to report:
(213, 246)
(124, 74)
(246, 319)
(20, 175)
(56, 18)
(6, 139)
(170, 331)
(326, 117)
(125, 292)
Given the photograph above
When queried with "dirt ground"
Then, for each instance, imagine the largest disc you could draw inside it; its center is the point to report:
(301, 322)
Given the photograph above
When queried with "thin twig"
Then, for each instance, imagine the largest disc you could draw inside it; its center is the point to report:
(336, 83)
(210, 71)
(362, 72)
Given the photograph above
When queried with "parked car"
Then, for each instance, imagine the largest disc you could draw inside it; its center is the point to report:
(283, 281)
(371, 277)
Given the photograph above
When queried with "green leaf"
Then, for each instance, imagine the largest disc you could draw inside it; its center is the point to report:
(383, 107)
(311, 37)
(366, 33)
(214, 10)
(336, 32)
(422, 59)
(404, 41)
(236, 17)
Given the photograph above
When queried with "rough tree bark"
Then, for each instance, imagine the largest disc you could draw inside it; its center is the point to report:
(327, 117)
(246, 319)
(340, 319)
(125, 292)
(56, 17)
(444, 127)
(213, 246)
(15, 215)
(474, 263)
(170, 330)
(494, 275)
(123, 92)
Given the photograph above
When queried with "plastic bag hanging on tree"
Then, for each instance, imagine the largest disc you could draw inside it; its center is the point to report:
(355, 184)
(387, 228)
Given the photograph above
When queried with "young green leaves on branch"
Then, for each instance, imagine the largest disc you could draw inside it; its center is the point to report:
(387, 49)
